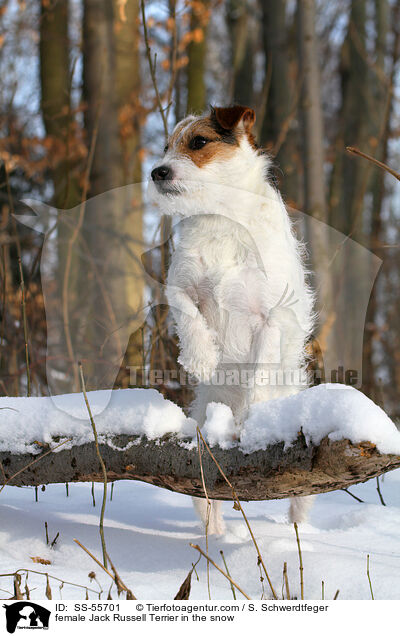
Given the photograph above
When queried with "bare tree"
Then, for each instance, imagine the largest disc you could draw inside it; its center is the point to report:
(278, 130)
(196, 86)
(314, 175)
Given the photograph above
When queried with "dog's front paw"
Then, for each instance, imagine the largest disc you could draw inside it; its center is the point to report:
(202, 364)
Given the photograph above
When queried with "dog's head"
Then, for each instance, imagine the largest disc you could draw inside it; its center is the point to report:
(205, 156)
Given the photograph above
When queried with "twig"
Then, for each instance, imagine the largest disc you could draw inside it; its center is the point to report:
(198, 548)
(322, 590)
(113, 576)
(228, 573)
(239, 505)
(379, 492)
(152, 67)
(119, 583)
(300, 562)
(369, 579)
(261, 580)
(34, 462)
(336, 595)
(174, 54)
(23, 305)
(4, 292)
(286, 580)
(208, 511)
(84, 587)
(351, 495)
(103, 468)
(94, 558)
(356, 151)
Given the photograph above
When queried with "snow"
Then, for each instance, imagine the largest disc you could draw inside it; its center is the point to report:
(332, 410)
(130, 411)
(148, 531)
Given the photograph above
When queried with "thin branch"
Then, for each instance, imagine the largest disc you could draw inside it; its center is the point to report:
(300, 562)
(103, 467)
(351, 495)
(84, 587)
(197, 547)
(208, 511)
(378, 487)
(115, 577)
(369, 579)
(228, 573)
(286, 580)
(380, 164)
(152, 67)
(174, 55)
(23, 306)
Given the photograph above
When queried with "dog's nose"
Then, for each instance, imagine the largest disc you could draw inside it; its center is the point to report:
(161, 173)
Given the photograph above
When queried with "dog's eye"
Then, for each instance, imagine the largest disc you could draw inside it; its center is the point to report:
(198, 142)
(166, 148)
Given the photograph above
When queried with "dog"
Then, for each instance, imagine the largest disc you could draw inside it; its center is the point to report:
(237, 284)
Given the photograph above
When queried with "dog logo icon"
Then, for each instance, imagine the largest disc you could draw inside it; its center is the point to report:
(26, 615)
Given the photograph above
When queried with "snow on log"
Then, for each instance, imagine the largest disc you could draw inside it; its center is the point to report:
(324, 438)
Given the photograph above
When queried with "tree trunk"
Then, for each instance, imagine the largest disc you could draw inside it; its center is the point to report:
(361, 120)
(127, 88)
(112, 228)
(350, 179)
(196, 86)
(382, 86)
(242, 52)
(314, 181)
(278, 132)
(275, 473)
(55, 83)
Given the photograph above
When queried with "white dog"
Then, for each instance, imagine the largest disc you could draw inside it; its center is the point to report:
(236, 282)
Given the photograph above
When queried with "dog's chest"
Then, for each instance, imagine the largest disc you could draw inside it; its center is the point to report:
(224, 263)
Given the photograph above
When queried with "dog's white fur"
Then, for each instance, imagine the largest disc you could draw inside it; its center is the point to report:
(236, 284)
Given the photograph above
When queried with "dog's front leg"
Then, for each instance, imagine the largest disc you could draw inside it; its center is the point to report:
(199, 353)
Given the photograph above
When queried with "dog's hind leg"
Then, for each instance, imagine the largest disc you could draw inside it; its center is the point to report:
(209, 514)
(299, 508)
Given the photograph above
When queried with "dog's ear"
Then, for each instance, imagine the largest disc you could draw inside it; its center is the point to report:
(229, 118)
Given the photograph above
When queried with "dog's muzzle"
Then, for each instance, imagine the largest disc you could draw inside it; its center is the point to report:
(162, 177)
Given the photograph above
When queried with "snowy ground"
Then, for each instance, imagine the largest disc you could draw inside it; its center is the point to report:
(148, 531)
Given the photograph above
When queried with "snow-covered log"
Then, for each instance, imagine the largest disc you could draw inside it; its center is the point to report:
(324, 438)
(273, 473)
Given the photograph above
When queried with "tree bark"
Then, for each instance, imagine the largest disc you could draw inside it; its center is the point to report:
(112, 227)
(277, 129)
(314, 181)
(54, 55)
(275, 473)
(196, 86)
(242, 52)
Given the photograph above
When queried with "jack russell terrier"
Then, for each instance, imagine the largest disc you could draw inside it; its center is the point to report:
(236, 282)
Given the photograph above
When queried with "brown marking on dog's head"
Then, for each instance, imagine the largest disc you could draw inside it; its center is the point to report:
(215, 136)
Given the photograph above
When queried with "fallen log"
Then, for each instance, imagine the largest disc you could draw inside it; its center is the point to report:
(274, 473)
